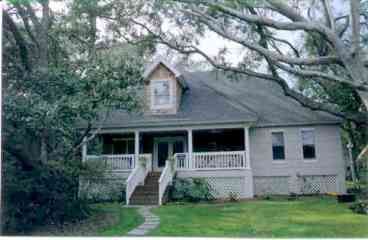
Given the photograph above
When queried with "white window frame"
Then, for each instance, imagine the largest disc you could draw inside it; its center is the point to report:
(308, 160)
(171, 95)
(278, 161)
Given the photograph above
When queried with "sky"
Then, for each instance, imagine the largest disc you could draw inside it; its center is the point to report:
(211, 43)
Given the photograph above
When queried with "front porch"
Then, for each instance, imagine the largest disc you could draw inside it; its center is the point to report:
(212, 153)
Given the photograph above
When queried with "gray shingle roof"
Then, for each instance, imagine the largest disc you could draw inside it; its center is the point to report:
(213, 98)
(267, 99)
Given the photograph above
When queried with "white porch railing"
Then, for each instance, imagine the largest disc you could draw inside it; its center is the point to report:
(212, 160)
(165, 179)
(137, 176)
(114, 162)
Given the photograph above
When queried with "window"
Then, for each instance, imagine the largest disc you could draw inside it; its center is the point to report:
(121, 146)
(308, 140)
(161, 93)
(278, 146)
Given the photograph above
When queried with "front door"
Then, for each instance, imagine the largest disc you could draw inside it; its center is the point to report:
(164, 148)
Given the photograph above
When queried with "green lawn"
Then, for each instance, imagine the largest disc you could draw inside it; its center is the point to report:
(127, 219)
(306, 217)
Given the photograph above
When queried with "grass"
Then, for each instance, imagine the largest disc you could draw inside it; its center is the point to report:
(305, 217)
(107, 219)
(128, 218)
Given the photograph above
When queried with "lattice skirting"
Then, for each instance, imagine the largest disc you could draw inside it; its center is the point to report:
(311, 184)
(271, 185)
(223, 187)
(318, 184)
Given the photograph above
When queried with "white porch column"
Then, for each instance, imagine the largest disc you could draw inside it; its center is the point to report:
(136, 146)
(190, 148)
(247, 147)
(84, 150)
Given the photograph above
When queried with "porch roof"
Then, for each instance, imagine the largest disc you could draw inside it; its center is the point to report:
(213, 98)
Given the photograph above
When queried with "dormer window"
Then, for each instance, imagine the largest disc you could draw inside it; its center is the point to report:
(161, 94)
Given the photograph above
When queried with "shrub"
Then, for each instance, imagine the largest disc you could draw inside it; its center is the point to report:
(102, 190)
(191, 190)
(47, 194)
(233, 197)
(292, 196)
(360, 207)
(266, 197)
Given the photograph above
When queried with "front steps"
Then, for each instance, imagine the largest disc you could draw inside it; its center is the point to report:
(147, 194)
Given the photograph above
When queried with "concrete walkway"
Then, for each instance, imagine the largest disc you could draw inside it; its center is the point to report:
(151, 222)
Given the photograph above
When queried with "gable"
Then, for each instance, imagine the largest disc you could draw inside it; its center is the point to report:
(162, 91)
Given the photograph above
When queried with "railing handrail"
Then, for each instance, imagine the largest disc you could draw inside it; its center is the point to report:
(217, 153)
(137, 176)
(212, 160)
(166, 177)
(110, 155)
(114, 162)
(132, 174)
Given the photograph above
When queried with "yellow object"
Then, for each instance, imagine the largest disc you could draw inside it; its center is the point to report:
(332, 193)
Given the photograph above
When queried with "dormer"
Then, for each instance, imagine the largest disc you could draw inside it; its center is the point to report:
(163, 88)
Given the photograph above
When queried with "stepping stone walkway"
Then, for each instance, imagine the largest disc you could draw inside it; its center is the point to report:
(151, 222)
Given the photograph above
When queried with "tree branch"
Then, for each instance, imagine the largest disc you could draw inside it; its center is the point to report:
(304, 101)
(20, 41)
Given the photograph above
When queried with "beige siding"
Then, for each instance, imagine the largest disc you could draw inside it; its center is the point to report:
(161, 72)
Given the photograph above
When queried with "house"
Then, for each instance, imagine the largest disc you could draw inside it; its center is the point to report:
(243, 136)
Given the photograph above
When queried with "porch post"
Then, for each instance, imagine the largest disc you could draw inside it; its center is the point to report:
(247, 147)
(190, 148)
(84, 150)
(136, 147)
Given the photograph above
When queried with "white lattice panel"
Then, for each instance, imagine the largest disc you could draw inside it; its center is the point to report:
(317, 184)
(271, 185)
(224, 186)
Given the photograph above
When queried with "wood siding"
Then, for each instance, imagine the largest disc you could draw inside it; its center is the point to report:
(160, 73)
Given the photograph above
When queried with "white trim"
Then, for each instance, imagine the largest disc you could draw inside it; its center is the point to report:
(169, 140)
(177, 128)
(278, 161)
(308, 160)
(136, 145)
(190, 147)
(171, 95)
(157, 62)
(247, 147)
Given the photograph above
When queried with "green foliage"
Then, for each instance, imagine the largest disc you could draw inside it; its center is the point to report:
(98, 190)
(128, 219)
(48, 104)
(233, 197)
(191, 190)
(45, 195)
(360, 207)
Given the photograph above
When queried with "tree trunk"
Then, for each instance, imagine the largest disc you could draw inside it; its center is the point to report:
(93, 36)
(364, 97)
(43, 38)
(43, 65)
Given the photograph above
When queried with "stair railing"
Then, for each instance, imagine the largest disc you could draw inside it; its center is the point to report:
(166, 177)
(142, 168)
